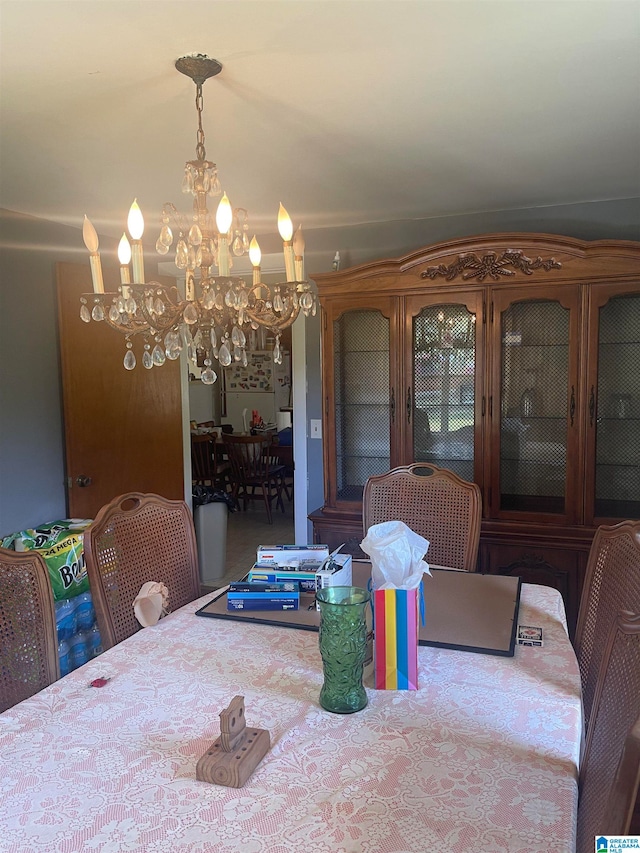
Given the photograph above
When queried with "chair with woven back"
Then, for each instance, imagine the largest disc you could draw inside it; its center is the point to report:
(608, 780)
(28, 641)
(253, 474)
(134, 539)
(622, 806)
(433, 502)
(612, 583)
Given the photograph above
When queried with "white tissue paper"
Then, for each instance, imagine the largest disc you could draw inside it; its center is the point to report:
(396, 554)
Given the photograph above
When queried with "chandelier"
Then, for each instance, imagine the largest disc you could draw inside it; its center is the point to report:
(220, 314)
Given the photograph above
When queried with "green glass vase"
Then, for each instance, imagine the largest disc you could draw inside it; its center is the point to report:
(343, 645)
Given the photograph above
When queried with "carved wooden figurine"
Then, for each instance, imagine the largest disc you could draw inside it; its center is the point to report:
(233, 757)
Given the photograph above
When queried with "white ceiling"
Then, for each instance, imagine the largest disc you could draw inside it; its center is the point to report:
(348, 112)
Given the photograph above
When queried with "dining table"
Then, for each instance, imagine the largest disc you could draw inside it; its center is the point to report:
(483, 756)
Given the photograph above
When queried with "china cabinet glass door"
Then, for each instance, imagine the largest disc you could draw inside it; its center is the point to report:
(444, 368)
(362, 399)
(617, 420)
(538, 414)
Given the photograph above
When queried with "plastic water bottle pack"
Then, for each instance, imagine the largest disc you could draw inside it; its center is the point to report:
(78, 635)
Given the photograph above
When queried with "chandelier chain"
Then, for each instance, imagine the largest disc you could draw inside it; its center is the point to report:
(201, 154)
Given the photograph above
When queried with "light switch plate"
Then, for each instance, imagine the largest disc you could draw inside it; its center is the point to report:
(316, 428)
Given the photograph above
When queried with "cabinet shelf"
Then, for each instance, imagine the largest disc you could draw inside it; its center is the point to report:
(541, 463)
(345, 457)
(371, 351)
(364, 405)
(530, 346)
(629, 466)
(430, 350)
(535, 419)
(617, 508)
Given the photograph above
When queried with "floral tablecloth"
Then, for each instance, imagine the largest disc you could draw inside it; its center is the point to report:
(483, 757)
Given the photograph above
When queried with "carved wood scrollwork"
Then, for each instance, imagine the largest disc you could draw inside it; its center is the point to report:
(469, 265)
(536, 567)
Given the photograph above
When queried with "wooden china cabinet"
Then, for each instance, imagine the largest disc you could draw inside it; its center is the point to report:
(511, 359)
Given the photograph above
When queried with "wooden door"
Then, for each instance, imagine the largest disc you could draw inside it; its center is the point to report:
(123, 429)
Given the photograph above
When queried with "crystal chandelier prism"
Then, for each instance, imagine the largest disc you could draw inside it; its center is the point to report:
(220, 313)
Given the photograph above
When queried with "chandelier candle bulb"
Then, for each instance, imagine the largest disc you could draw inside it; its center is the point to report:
(124, 256)
(90, 237)
(224, 218)
(135, 224)
(285, 227)
(255, 256)
(298, 252)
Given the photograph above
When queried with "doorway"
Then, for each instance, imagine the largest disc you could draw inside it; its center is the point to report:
(246, 530)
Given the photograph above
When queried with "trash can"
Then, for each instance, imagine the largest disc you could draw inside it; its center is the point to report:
(210, 518)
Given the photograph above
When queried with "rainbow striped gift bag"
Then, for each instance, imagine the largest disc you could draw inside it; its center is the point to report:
(395, 643)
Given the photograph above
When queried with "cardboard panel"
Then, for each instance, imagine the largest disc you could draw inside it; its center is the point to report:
(464, 610)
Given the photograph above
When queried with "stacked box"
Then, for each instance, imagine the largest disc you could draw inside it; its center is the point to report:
(292, 555)
(263, 596)
(272, 573)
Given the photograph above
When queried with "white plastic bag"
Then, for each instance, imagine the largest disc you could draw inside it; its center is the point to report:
(396, 554)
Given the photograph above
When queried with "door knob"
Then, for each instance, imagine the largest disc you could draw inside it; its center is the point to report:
(83, 481)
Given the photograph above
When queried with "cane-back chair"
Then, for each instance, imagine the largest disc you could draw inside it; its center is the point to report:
(434, 503)
(135, 539)
(253, 474)
(626, 785)
(615, 710)
(28, 641)
(612, 583)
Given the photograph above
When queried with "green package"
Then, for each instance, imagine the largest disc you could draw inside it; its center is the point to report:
(60, 543)
(67, 569)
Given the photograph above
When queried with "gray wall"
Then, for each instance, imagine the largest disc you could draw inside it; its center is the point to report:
(31, 437)
(315, 471)
(31, 430)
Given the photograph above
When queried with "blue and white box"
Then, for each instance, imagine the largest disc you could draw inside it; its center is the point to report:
(263, 596)
(294, 556)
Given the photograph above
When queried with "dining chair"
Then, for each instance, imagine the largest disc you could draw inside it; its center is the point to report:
(615, 711)
(434, 503)
(207, 468)
(626, 785)
(253, 475)
(612, 583)
(28, 641)
(282, 454)
(134, 539)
